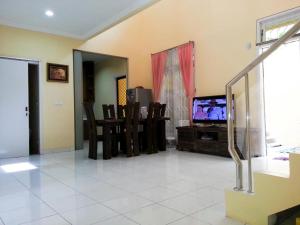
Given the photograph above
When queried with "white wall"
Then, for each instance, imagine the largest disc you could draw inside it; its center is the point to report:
(106, 73)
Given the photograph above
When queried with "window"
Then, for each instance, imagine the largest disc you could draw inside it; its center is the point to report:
(274, 27)
(121, 90)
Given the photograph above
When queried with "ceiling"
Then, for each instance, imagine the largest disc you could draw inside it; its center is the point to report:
(72, 18)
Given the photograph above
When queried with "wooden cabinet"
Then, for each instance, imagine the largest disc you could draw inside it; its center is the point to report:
(208, 140)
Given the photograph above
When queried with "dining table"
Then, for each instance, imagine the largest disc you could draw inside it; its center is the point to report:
(109, 124)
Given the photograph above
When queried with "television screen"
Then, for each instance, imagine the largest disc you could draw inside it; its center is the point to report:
(209, 109)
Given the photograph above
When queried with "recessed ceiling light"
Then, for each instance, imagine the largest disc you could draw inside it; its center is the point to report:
(49, 13)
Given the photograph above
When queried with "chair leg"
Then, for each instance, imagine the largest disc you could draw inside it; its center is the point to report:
(161, 135)
(114, 143)
(136, 150)
(154, 137)
(92, 147)
(107, 142)
(129, 151)
(149, 139)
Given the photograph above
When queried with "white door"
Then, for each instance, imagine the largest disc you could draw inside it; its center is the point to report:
(14, 122)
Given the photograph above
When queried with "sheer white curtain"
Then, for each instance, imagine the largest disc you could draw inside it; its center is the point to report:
(173, 94)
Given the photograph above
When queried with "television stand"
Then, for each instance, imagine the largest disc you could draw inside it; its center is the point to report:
(204, 139)
(213, 125)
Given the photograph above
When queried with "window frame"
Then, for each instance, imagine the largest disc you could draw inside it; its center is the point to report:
(117, 85)
(274, 20)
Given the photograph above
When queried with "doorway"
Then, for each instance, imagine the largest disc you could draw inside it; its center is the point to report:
(95, 81)
(19, 107)
(281, 78)
(34, 108)
(121, 87)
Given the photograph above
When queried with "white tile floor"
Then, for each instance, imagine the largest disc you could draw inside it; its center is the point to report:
(176, 188)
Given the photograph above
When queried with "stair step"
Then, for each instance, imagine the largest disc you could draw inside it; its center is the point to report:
(273, 192)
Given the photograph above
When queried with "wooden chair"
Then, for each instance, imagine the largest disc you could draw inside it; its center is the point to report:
(155, 126)
(121, 133)
(132, 113)
(161, 130)
(128, 129)
(93, 137)
(163, 110)
(135, 129)
(150, 129)
(109, 114)
(112, 113)
(105, 111)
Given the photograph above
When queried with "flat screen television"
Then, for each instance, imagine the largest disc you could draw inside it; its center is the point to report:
(209, 109)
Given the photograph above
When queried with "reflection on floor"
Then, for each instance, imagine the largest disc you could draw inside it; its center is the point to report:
(281, 152)
(176, 188)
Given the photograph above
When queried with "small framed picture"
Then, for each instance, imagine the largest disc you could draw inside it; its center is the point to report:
(57, 72)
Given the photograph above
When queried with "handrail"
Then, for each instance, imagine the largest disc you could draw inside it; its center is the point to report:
(230, 123)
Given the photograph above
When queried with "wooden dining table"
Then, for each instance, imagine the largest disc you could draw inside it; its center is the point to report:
(107, 126)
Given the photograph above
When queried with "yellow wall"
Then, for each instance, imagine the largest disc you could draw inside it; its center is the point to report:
(220, 29)
(273, 193)
(57, 121)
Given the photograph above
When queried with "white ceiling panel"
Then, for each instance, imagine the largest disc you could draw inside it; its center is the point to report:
(73, 18)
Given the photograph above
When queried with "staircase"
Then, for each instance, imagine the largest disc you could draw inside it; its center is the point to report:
(267, 193)
(273, 193)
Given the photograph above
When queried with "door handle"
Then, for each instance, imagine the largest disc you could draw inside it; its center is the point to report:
(26, 110)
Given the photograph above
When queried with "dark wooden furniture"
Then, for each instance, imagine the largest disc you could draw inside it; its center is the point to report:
(128, 132)
(204, 139)
(112, 112)
(92, 128)
(85, 129)
(88, 72)
(131, 129)
(153, 141)
(107, 137)
(105, 111)
(121, 136)
(161, 129)
(108, 112)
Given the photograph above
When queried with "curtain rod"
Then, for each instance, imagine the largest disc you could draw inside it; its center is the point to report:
(174, 47)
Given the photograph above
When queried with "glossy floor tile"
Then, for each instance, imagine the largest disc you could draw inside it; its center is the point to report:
(188, 221)
(51, 220)
(119, 220)
(126, 204)
(154, 214)
(88, 215)
(172, 187)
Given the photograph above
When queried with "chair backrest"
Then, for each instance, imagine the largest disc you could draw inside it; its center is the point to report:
(150, 110)
(121, 111)
(163, 110)
(156, 113)
(112, 112)
(105, 111)
(129, 112)
(88, 106)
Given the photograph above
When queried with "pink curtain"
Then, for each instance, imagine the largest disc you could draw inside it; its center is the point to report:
(185, 55)
(158, 68)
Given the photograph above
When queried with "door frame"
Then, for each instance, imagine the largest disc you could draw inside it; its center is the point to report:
(117, 86)
(77, 93)
(40, 89)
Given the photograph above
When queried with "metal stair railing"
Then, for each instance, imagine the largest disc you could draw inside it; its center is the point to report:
(230, 112)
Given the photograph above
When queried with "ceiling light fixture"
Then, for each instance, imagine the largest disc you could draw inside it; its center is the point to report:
(49, 13)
